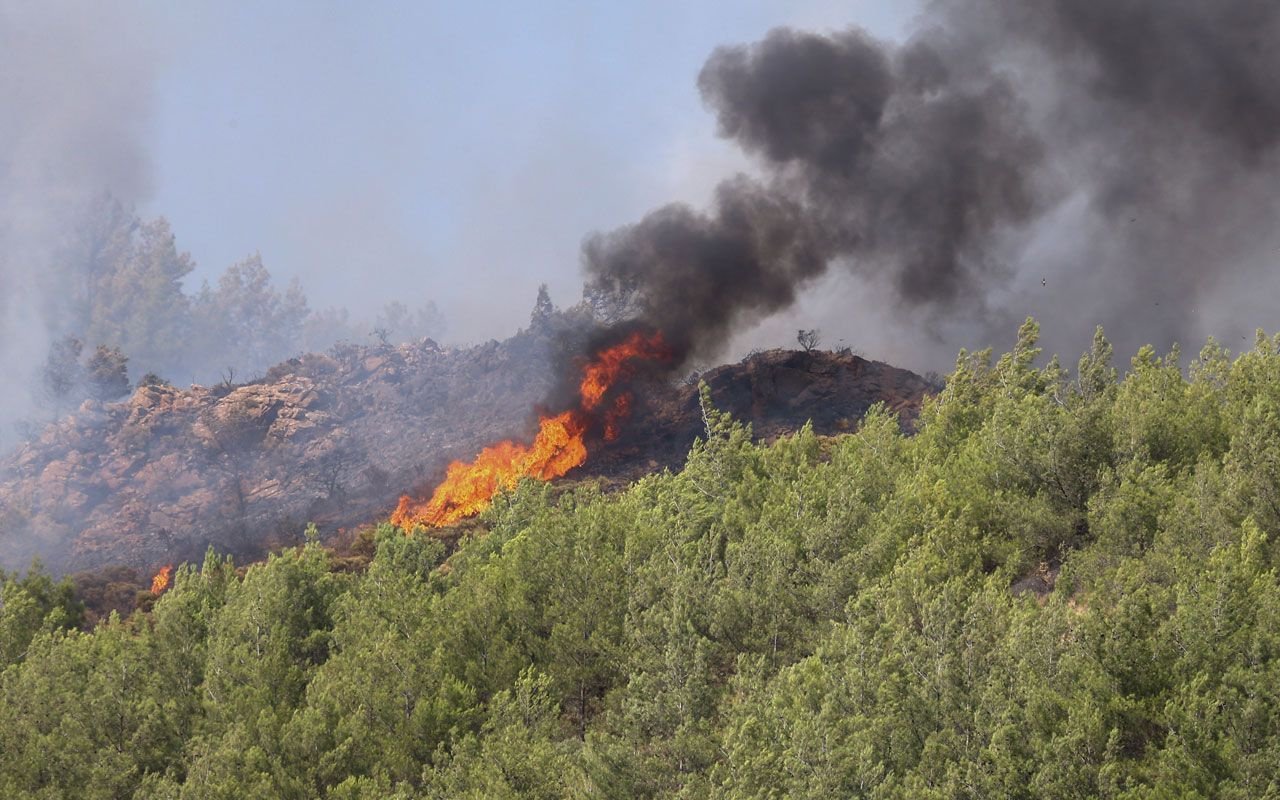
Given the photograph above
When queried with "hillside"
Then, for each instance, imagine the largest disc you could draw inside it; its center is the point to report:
(1063, 585)
(331, 437)
(336, 438)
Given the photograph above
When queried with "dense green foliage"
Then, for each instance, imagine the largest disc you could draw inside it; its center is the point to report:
(1061, 587)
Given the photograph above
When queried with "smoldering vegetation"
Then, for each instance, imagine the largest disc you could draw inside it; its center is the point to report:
(1092, 162)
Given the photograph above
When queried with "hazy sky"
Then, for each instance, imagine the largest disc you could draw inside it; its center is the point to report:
(458, 152)
(462, 152)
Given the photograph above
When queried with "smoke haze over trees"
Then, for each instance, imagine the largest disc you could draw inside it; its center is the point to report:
(80, 270)
(1002, 158)
(71, 127)
(123, 303)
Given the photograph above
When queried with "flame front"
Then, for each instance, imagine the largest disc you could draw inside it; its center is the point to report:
(468, 488)
(162, 579)
(616, 362)
(559, 446)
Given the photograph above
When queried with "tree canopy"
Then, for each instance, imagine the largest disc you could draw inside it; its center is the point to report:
(1064, 585)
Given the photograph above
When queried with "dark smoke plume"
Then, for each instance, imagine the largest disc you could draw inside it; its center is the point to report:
(1124, 150)
(693, 275)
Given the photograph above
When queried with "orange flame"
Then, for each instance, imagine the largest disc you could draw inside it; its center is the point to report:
(617, 361)
(559, 446)
(162, 579)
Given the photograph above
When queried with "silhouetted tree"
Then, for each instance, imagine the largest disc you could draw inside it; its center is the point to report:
(246, 322)
(542, 308)
(808, 339)
(62, 379)
(402, 324)
(108, 374)
(611, 303)
(137, 303)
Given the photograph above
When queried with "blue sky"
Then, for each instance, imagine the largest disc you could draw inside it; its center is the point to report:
(456, 152)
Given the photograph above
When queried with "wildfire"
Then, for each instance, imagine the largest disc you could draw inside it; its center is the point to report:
(162, 579)
(559, 446)
(616, 362)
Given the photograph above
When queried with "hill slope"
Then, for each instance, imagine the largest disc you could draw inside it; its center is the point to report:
(812, 617)
(336, 438)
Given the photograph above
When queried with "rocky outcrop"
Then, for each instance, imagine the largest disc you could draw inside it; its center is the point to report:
(332, 438)
(777, 391)
(336, 438)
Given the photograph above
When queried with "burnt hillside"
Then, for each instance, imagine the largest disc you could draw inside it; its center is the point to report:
(336, 438)
(777, 391)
